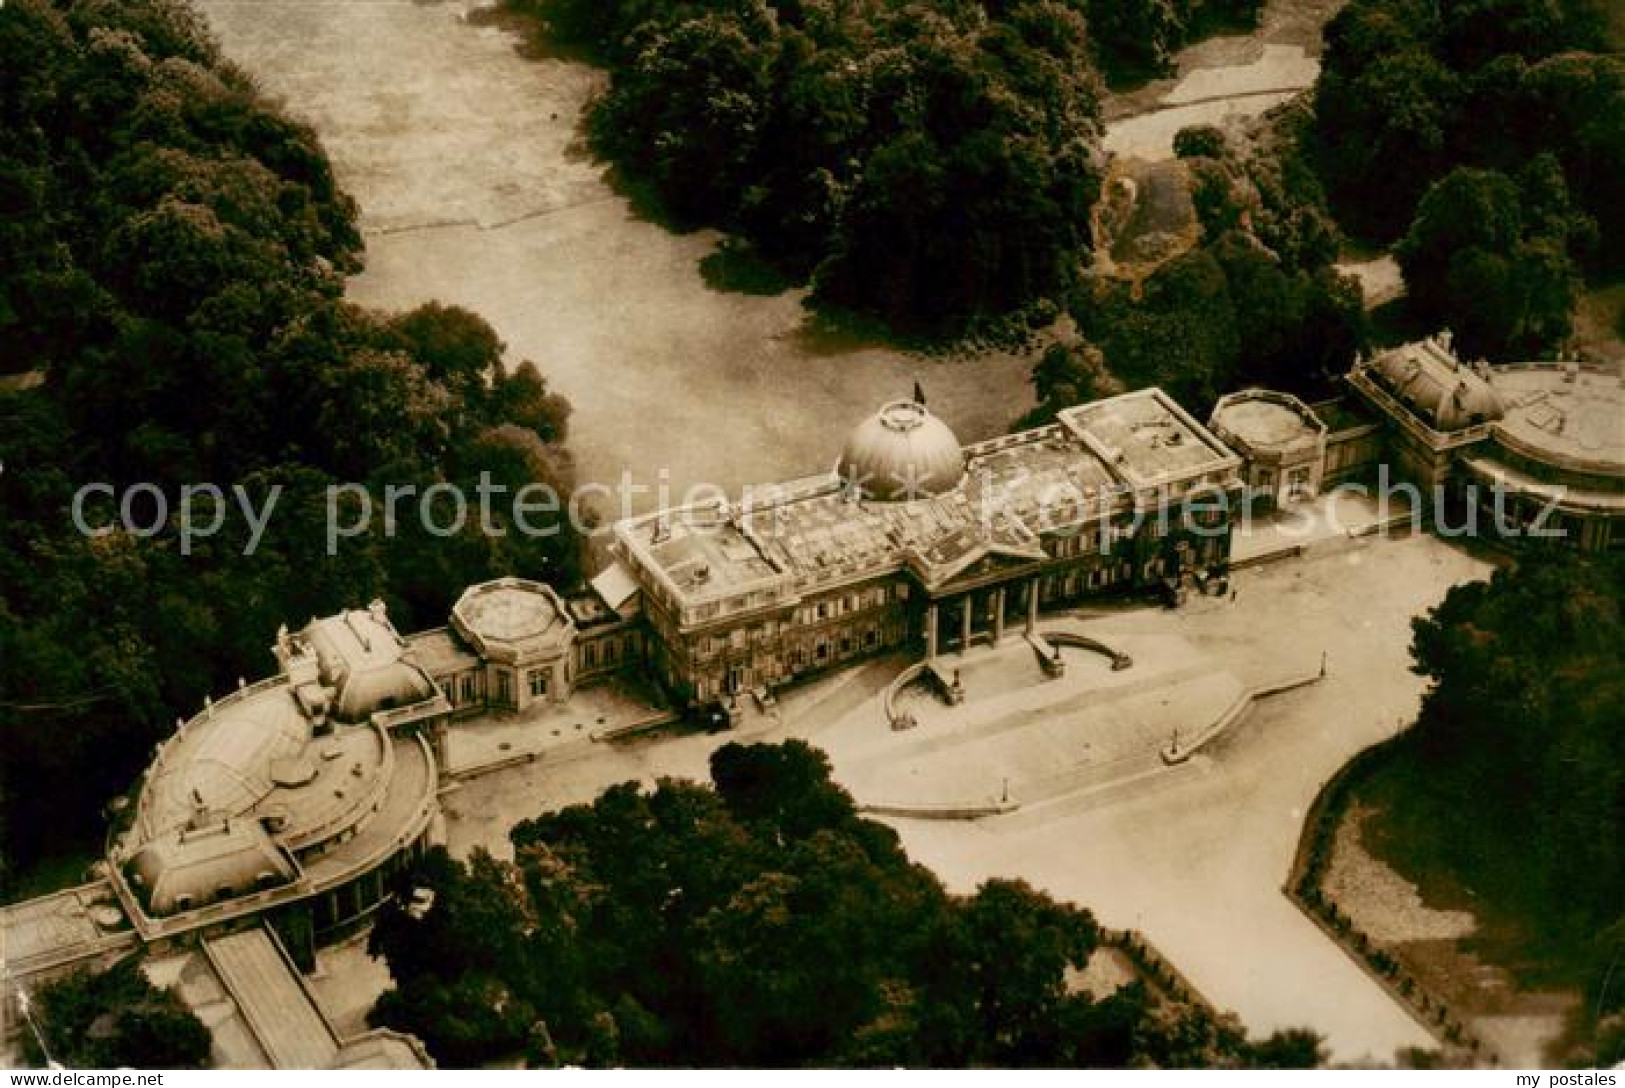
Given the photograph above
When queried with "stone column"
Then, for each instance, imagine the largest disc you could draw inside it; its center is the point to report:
(558, 687)
(964, 624)
(1032, 605)
(998, 614)
(931, 632)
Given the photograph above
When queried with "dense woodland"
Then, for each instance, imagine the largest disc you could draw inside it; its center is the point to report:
(1255, 301)
(1486, 138)
(762, 923)
(930, 162)
(1508, 798)
(175, 253)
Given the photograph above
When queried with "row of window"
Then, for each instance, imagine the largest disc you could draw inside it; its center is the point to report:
(807, 615)
(607, 651)
(847, 603)
(824, 650)
(744, 602)
(1072, 583)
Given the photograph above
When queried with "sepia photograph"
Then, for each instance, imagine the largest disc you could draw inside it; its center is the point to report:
(655, 536)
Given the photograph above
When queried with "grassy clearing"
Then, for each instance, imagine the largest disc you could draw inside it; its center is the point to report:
(1476, 874)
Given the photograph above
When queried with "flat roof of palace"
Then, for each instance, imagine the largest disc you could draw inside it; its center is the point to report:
(1266, 420)
(523, 616)
(61, 927)
(1571, 412)
(813, 531)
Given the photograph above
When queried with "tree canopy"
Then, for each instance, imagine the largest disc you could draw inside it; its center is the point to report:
(1490, 258)
(175, 260)
(1254, 301)
(929, 161)
(1513, 780)
(760, 922)
(115, 1019)
(1513, 107)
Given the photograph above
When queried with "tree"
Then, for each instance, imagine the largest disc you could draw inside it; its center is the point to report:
(1470, 259)
(1410, 91)
(689, 113)
(1069, 374)
(1293, 1048)
(762, 923)
(175, 254)
(1200, 141)
(1393, 122)
(1015, 946)
(1511, 782)
(116, 1019)
(449, 962)
(930, 165)
(786, 787)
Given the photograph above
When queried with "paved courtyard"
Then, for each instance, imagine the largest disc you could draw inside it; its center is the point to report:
(594, 711)
(1194, 856)
(1021, 737)
(1339, 515)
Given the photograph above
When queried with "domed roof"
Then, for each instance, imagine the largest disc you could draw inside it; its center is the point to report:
(209, 864)
(902, 452)
(221, 762)
(1474, 400)
(1445, 392)
(366, 662)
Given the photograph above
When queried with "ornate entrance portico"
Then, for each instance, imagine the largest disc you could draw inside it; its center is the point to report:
(958, 621)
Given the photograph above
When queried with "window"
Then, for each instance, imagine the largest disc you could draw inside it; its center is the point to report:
(468, 689)
(590, 654)
(869, 637)
(538, 682)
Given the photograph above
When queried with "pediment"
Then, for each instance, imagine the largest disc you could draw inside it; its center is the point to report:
(975, 564)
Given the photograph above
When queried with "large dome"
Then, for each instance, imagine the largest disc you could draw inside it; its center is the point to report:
(902, 452)
(1446, 393)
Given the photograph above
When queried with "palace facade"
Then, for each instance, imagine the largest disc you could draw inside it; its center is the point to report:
(916, 541)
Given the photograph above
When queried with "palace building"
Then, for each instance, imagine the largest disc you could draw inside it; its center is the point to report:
(275, 820)
(1549, 436)
(301, 794)
(914, 540)
(1544, 440)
